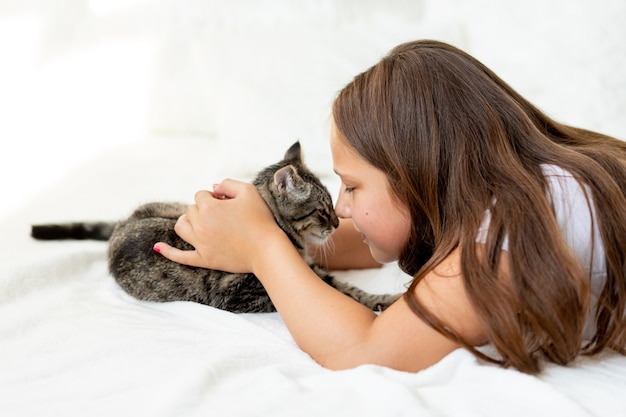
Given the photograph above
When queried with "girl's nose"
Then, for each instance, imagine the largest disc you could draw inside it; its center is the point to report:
(342, 208)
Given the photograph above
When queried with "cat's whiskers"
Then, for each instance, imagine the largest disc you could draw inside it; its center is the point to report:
(325, 250)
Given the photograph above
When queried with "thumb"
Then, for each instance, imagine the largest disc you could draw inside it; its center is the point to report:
(186, 257)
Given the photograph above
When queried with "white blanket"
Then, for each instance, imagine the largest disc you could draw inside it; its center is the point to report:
(227, 87)
(75, 344)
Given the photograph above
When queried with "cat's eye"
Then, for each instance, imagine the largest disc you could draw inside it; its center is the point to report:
(309, 214)
(324, 213)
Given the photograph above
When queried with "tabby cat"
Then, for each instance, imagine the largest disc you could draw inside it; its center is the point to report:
(301, 206)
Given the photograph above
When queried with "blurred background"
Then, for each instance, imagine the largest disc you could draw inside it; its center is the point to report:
(84, 78)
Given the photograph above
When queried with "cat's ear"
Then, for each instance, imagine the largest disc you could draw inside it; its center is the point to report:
(294, 153)
(286, 178)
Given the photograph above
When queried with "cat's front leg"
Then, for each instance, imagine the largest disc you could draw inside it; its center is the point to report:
(377, 302)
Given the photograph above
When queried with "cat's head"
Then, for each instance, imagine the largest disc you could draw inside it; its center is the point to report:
(301, 204)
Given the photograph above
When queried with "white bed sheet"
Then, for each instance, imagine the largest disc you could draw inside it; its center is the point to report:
(73, 343)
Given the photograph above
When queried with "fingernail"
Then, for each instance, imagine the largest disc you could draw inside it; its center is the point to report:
(215, 186)
(156, 249)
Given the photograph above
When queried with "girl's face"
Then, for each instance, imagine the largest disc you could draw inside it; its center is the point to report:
(383, 222)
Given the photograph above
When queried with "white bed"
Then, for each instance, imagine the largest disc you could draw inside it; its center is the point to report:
(72, 343)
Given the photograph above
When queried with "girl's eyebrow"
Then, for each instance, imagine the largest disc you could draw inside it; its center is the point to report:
(340, 173)
(342, 176)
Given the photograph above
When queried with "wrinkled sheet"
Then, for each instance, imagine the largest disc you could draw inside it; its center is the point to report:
(73, 343)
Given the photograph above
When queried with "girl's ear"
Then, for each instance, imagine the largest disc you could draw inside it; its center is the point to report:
(286, 178)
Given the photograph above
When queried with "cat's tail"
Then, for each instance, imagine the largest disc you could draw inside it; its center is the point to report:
(76, 230)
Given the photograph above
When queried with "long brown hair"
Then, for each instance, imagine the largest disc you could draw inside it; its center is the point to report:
(453, 138)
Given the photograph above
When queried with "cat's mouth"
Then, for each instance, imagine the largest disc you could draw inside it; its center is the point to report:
(316, 238)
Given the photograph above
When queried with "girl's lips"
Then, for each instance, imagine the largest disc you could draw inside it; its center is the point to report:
(363, 237)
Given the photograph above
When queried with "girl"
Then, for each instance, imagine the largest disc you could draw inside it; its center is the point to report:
(512, 225)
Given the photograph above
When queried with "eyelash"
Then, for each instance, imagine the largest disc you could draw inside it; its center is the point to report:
(348, 190)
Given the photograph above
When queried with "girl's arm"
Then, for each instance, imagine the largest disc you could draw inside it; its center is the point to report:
(332, 328)
(340, 333)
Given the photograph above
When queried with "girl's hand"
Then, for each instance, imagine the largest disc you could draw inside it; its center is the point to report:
(227, 227)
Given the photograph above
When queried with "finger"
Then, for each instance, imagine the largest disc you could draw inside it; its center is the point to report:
(186, 257)
(203, 195)
(183, 226)
(228, 188)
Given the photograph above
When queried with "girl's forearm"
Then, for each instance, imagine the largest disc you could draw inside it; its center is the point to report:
(324, 322)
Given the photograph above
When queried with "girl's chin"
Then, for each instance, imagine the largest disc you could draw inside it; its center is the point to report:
(382, 257)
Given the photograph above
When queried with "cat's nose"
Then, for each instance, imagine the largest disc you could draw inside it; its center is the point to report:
(334, 219)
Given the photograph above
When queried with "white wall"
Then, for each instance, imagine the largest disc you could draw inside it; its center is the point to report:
(79, 77)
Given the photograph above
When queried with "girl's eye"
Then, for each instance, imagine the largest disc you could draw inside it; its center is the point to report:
(347, 189)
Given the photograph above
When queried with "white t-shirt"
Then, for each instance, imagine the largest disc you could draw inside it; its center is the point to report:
(577, 224)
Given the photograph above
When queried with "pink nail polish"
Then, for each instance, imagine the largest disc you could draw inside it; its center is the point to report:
(156, 249)
(215, 186)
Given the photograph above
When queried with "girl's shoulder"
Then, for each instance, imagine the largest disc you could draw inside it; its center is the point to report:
(573, 205)
(574, 212)
(570, 198)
